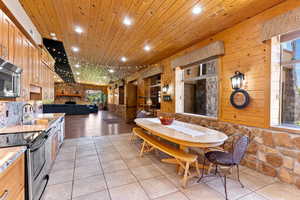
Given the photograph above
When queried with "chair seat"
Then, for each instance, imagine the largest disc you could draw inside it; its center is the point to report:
(220, 158)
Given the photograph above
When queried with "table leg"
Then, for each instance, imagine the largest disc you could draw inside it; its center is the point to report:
(173, 161)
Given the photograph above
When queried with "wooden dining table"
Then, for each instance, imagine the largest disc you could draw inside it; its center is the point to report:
(184, 134)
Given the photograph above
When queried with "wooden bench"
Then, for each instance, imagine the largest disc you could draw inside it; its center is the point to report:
(183, 159)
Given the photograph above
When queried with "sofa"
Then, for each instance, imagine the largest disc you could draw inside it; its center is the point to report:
(70, 109)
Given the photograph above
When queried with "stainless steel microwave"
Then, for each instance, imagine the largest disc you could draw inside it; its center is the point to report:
(10, 79)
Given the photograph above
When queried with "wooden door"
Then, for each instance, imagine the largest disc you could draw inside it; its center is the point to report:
(131, 95)
(131, 101)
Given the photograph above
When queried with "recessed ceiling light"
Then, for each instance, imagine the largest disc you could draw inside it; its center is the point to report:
(127, 21)
(123, 59)
(52, 34)
(77, 73)
(111, 71)
(77, 65)
(78, 29)
(147, 48)
(75, 49)
(197, 10)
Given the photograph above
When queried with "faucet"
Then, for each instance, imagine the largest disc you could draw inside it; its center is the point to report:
(24, 110)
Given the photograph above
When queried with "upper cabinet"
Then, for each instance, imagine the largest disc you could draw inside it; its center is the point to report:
(36, 62)
(4, 45)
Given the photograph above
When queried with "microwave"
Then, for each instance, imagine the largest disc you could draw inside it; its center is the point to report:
(10, 79)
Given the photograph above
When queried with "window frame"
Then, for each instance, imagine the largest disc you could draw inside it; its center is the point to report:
(179, 89)
(276, 121)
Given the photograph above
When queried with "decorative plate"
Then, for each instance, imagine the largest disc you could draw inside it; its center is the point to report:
(239, 99)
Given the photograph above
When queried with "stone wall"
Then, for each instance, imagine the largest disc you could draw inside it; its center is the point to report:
(119, 110)
(212, 89)
(272, 153)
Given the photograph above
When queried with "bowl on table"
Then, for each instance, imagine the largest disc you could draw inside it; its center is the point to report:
(166, 120)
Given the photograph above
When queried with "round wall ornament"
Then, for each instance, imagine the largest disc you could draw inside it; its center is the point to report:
(239, 98)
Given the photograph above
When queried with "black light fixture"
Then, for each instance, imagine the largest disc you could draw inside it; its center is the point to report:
(239, 98)
(237, 80)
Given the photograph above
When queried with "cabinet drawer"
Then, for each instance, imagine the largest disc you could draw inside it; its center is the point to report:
(12, 180)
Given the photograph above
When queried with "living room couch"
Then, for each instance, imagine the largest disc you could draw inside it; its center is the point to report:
(70, 109)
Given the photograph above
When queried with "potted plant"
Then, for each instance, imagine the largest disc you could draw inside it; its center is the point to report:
(102, 99)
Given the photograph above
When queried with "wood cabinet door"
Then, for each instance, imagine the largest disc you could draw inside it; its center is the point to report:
(26, 69)
(11, 42)
(1, 32)
(5, 36)
(54, 148)
(12, 180)
(18, 54)
(18, 59)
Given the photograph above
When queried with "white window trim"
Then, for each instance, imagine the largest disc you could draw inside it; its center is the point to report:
(276, 89)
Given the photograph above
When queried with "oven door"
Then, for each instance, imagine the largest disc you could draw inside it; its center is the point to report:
(38, 158)
(39, 176)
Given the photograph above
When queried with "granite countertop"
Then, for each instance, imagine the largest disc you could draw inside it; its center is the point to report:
(41, 122)
(9, 155)
(183, 131)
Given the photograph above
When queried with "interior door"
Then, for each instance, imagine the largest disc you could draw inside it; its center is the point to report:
(131, 102)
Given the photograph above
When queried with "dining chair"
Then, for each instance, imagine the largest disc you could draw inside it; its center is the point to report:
(229, 159)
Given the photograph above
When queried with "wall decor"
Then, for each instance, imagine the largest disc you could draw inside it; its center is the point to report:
(239, 98)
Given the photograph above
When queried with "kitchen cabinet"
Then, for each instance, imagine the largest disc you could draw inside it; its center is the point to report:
(54, 142)
(5, 23)
(36, 62)
(54, 149)
(12, 180)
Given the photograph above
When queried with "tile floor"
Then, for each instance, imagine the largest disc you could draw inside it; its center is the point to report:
(109, 168)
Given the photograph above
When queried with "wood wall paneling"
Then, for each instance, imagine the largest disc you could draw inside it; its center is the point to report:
(245, 52)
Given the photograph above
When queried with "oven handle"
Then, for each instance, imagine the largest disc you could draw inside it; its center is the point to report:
(47, 180)
(40, 145)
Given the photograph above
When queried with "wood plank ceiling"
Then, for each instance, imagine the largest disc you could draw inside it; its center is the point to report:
(166, 25)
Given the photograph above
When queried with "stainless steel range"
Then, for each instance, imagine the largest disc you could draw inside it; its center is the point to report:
(36, 160)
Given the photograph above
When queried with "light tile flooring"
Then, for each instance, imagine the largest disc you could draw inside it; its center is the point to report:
(109, 168)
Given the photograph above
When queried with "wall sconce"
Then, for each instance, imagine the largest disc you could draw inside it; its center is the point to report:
(149, 102)
(165, 89)
(237, 80)
(239, 98)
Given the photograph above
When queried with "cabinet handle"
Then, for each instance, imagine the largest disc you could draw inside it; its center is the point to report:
(4, 195)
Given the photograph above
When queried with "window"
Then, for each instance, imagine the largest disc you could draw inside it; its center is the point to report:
(290, 83)
(199, 89)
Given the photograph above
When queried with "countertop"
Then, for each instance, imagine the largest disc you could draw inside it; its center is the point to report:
(9, 155)
(183, 131)
(41, 122)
